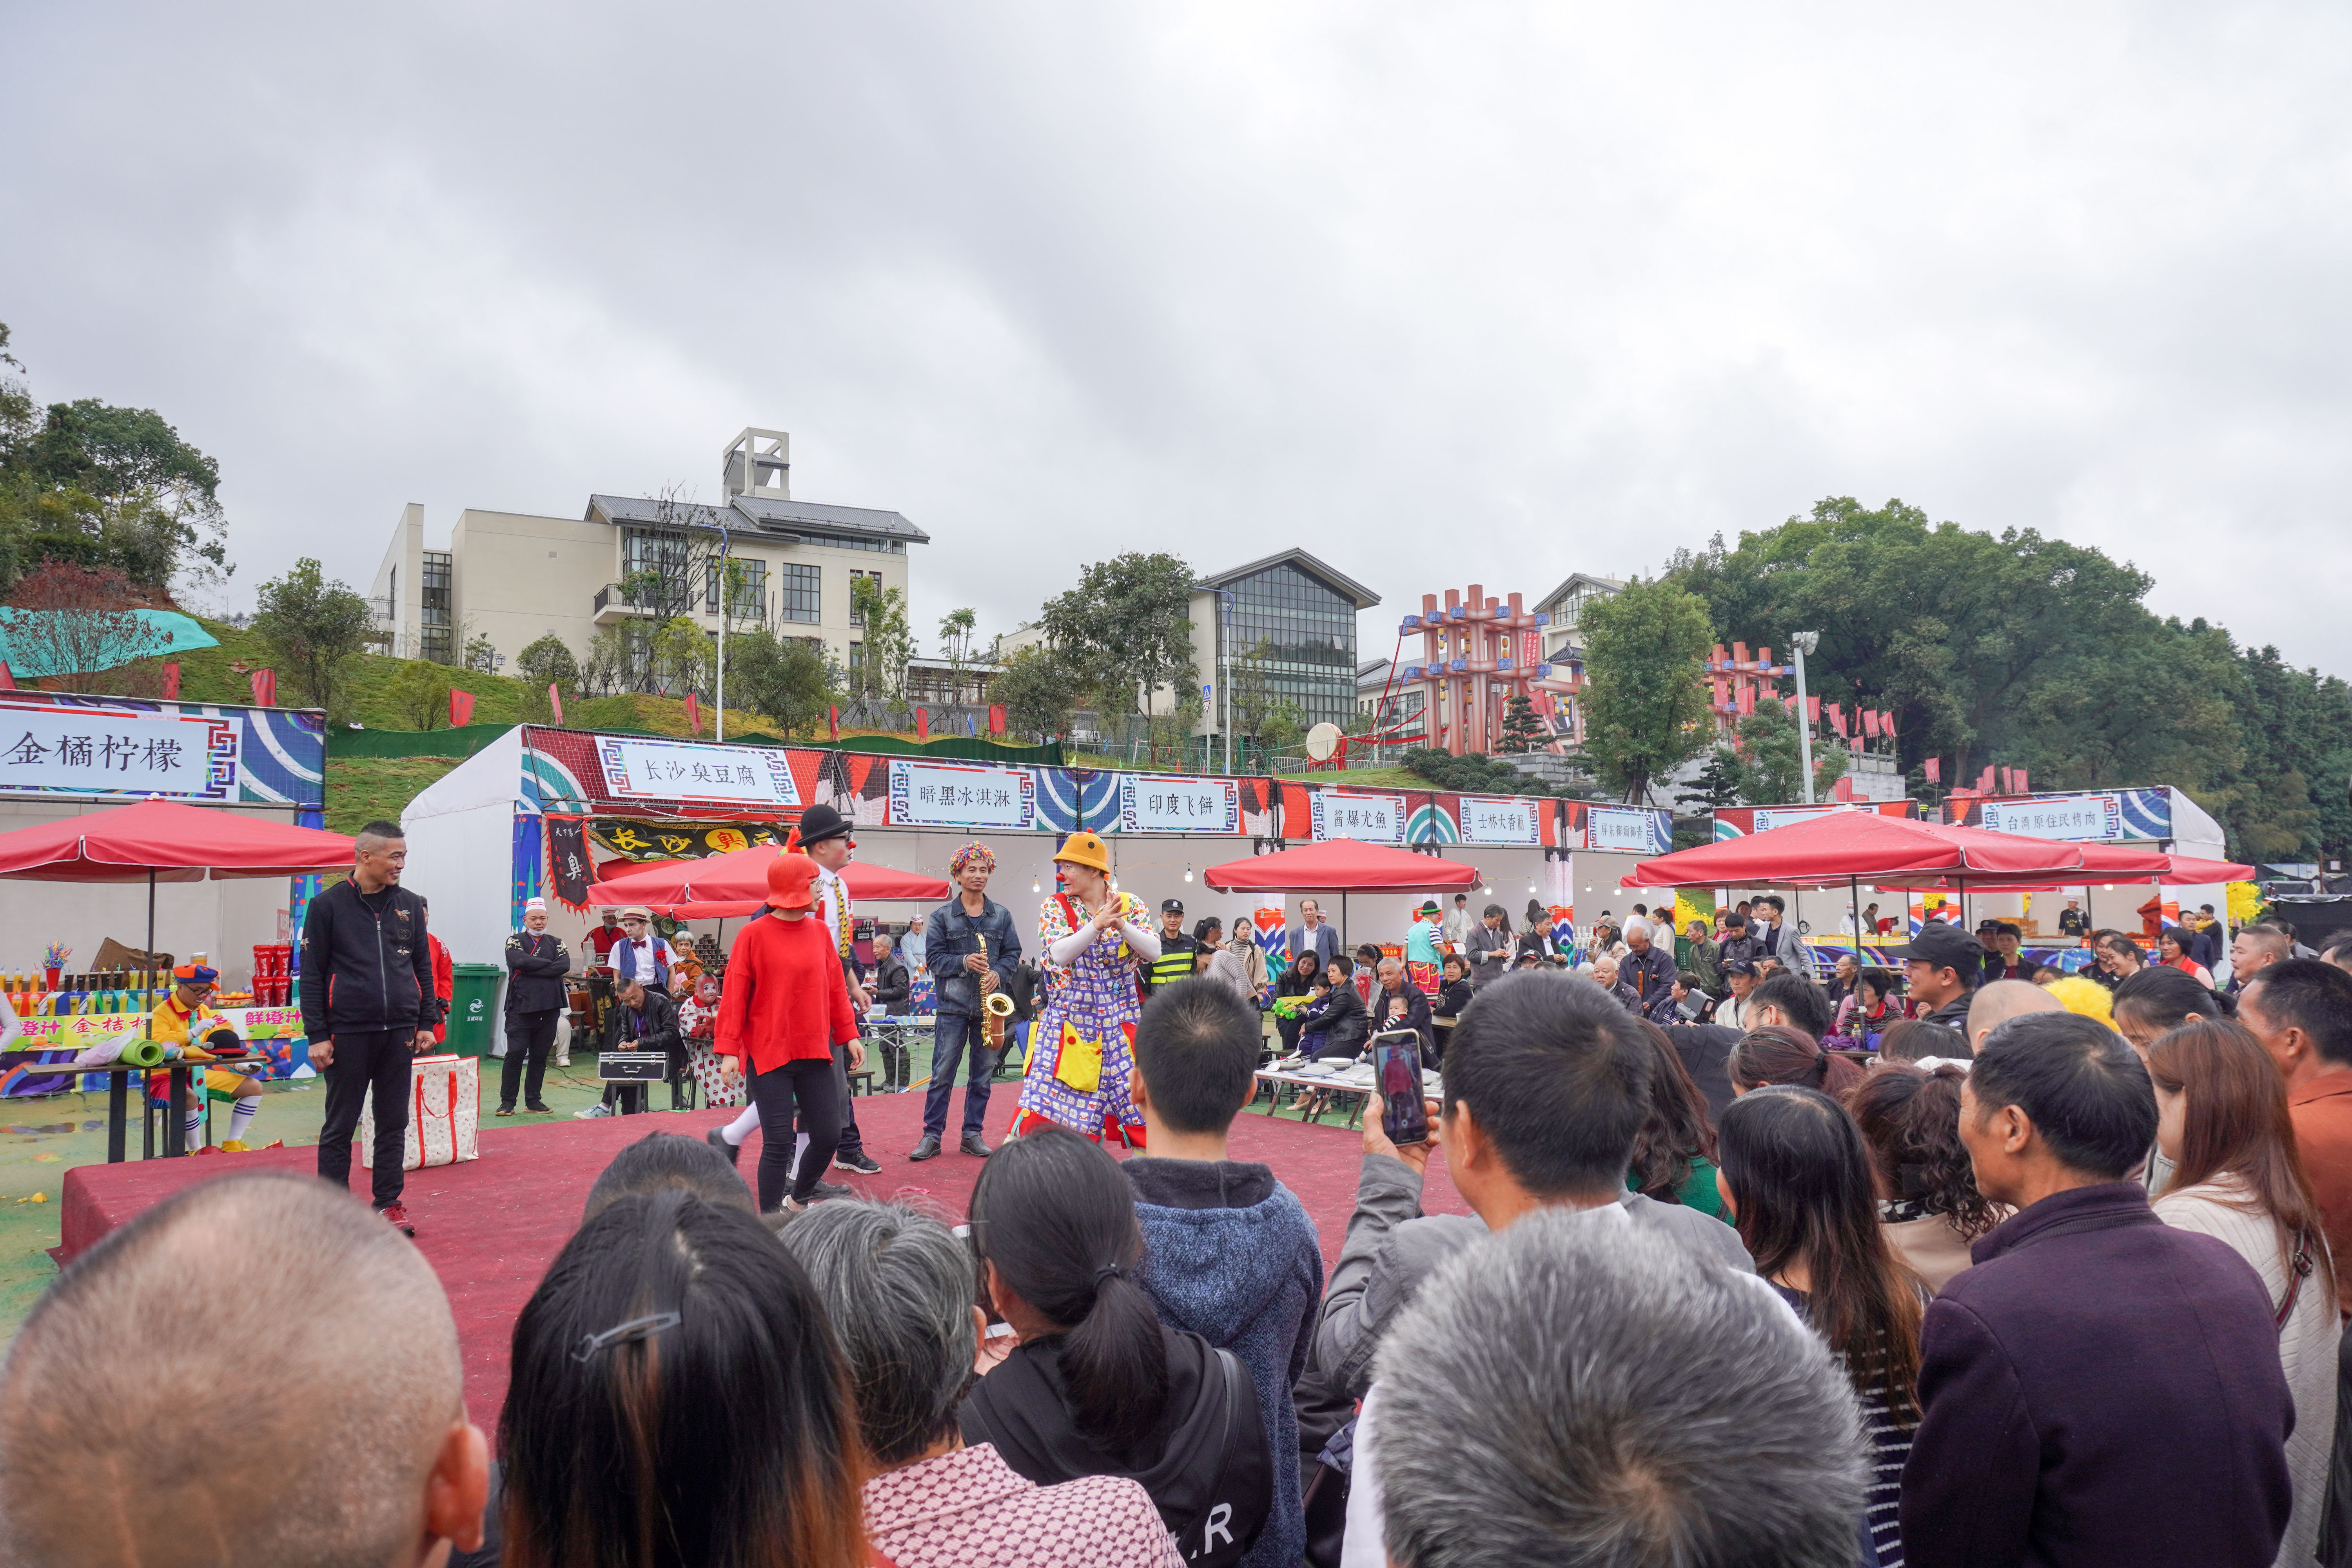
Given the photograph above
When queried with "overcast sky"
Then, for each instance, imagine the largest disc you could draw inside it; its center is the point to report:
(1440, 293)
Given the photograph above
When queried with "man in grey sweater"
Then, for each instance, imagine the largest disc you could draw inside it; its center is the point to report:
(1547, 1085)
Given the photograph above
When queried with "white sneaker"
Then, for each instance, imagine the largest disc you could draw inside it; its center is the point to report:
(592, 1113)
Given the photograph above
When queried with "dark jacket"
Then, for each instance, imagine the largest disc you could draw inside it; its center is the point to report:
(1230, 1254)
(950, 935)
(1407, 1011)
(893, 983)
(1393, 1247)
(365, 962)
(1451, 1000)
(653, 1027)
(1747, 947)
(2100, 1389)
(1340, 1020)
(1705, 1051)
(536, 965)
(1651, 973)
(1953, 1015)
(1206, 1466)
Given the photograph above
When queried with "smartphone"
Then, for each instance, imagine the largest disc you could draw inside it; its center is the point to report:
(1396, 1073)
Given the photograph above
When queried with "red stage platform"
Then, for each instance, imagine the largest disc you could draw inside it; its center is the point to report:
(491, 1226)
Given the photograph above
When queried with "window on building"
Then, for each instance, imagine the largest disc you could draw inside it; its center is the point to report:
(797, 597)
(1311, 636)
(746, 599)
(856, 617)
(437, 634)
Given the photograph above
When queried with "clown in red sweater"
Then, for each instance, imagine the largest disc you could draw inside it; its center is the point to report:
(786, 1006)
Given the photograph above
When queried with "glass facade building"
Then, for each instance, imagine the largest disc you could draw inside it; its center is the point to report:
(436, 636)
(1308, 630)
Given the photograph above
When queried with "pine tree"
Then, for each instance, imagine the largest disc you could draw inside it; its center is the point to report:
(1522, 730)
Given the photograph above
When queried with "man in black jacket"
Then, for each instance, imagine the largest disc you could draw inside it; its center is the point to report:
(645, 1019)
(368, 1008)
(894, 983)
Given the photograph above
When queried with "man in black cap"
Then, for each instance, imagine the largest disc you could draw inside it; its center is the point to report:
(824, 836)
(1943, 965)
(1176, 948)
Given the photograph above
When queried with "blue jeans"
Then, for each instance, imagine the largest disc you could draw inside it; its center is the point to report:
(950, 1033)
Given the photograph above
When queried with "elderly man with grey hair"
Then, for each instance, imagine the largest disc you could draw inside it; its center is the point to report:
(1577, 1390)
(899, 1287)
(256, 1372)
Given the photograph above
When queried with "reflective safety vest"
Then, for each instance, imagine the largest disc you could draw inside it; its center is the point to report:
(1175, 962)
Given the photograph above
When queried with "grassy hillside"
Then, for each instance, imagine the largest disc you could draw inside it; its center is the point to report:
(360, 790)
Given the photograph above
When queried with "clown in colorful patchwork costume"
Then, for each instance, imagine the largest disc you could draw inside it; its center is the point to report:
(1083, 1044)
(185, 1023)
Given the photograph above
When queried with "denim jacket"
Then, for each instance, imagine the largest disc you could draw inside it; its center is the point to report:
(950, 934)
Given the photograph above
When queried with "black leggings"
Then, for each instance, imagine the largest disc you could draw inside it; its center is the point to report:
(529, 1036)
(812, 1082)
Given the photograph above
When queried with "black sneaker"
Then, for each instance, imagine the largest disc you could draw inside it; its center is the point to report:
(541, 1109)
(825, 1190)
(860, 1162)
(718, 1140)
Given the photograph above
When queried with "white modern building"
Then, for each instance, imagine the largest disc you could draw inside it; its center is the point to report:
(514, 577)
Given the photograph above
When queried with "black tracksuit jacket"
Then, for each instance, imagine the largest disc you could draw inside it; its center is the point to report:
(362, 971)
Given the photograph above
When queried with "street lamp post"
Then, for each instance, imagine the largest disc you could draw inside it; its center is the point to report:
(1804, 643)
(719, 723)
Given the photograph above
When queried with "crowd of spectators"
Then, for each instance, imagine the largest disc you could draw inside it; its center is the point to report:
(2026, 1284)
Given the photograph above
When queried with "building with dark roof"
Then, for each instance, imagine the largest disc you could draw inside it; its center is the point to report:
(631, 562)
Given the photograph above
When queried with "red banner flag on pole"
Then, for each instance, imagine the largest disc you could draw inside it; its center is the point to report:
(996, 718)
(1837, 718)
(1934, 766)
(555, 701)
(922, 725)
(461, 708)
(833, 719)
(2007, 787)
(1887, 721)
(693, 714)
(170, 679)
(1813, 709)
(1870, 722)
(2023, 787)
(1984, 780)
(265, 687)
(7, 677)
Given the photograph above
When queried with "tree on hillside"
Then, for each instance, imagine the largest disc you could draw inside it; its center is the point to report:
(1717, 784)
(1039, 692)
(788, 680)
(107, 488)
(877, 661)
(1646, 714)
(75, 625)
(683, 657)
(313, 629)
(549, 662)
(957, 629)
(1124, 631)
(1771, 759)
(419, 693)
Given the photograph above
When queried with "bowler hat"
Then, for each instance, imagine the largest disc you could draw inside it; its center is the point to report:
(819, 823)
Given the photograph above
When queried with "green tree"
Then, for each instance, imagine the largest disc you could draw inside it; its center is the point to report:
(549, 662)
(1522, 730)
(314, 628)
(1646, 714)
(1124, 631)
(683, 656)
(1717, 784)
(1039, 691)
(481, 654)
(419, 693)
(877, 665)
(1771, 758)
(104, 487)
(789, 680)
(957, 629)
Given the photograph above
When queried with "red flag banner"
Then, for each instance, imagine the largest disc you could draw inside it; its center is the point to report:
(7, 677)
(693, 713)
(461, 708)
(1837, 718)
(170, 679)
(1870, 722)
(922, 725)
(1984, 780)
(1747, 697)
(2007, 787)
(555, 701)
(2023, 787)
(1934, 766)
(833, 719)
(1887, 721)
(265, 687)
(996, 718)
(1812, 710)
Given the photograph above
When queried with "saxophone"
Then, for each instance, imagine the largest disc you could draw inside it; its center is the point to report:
(995, 1007)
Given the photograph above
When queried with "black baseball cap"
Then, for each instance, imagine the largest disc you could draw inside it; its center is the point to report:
(1944, 946)
(1171, 906)
(1738, 966)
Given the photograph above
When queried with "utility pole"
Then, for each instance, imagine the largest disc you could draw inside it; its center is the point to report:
(1225, 667)
(1804, 643)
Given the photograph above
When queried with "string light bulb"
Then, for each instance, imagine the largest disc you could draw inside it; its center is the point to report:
(1188, 872)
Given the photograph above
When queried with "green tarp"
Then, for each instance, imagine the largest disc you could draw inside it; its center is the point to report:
(31, 651)
(465, 740)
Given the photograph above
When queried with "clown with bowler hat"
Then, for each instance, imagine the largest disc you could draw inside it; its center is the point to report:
(1083, 1044)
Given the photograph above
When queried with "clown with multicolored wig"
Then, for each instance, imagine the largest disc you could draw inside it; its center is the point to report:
(183, 1020)
(1083, 1046)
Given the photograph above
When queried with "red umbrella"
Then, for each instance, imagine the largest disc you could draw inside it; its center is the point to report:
(725, 886)
(1341, 865)
(1855, 847)
(166, 841)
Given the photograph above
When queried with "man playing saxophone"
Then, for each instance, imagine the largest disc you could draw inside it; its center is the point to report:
(971, 948)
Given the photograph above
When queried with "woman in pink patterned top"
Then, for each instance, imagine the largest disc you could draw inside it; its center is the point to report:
(898, 1288)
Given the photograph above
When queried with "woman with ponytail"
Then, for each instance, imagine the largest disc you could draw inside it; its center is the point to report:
(1097, 1386)
(1781, 1053)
